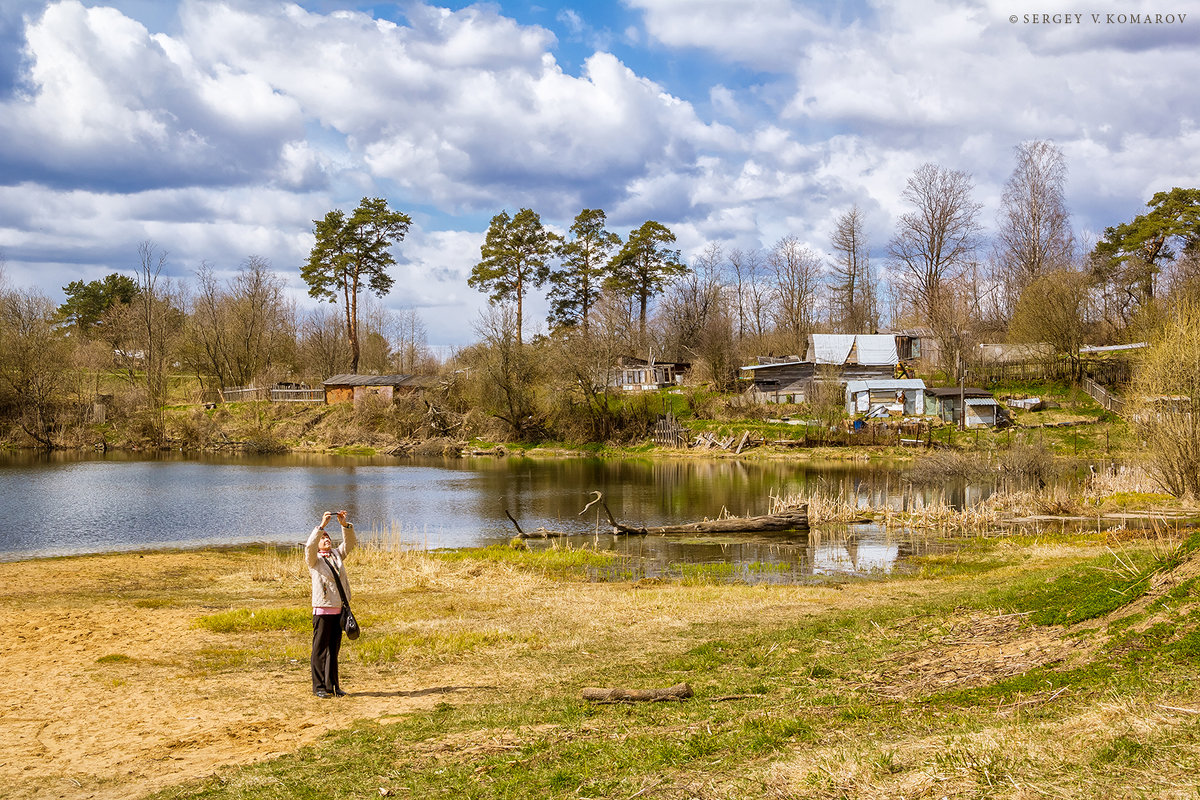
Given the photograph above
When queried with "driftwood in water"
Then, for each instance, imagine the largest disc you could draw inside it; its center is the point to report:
(681, 691)
(540, 533)
(792, 520)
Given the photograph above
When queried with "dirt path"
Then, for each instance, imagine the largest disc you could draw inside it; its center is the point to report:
(103, 697)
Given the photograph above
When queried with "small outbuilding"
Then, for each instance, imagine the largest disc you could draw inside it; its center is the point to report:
(982, 410)
(353, 388)
(891, 396)
(785, 380)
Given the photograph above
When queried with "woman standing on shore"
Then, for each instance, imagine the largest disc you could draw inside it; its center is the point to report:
(324, 563)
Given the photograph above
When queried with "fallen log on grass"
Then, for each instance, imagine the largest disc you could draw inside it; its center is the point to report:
(681, 691)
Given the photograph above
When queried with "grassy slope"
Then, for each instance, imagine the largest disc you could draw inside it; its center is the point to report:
(279, 426)
(958, 682)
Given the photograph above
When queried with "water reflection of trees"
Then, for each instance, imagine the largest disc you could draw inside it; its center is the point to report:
(653, 492)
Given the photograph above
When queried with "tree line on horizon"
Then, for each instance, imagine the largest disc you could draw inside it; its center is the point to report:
(1035, 281)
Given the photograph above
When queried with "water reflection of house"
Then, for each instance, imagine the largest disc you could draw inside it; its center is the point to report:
(891, 396)
(354, 388)
(636, 375)
(947, 403)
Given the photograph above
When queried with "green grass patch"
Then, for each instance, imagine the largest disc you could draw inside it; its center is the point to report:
(1034, 682)
(555, 561)
(244, 620)
(1086, 590)
(1131, 500)
(156, 602)
(704, 574)
(114, 658)
(954, 565)
(355, 450)
(1123, 751)
(551, 750)
(220, 659)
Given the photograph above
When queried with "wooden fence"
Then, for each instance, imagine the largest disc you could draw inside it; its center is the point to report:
(1104, 397)
(235, 394)
(297, 395)
(985, 375)
(669, 433)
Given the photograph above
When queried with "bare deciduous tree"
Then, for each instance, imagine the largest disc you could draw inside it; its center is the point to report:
(934, 245)
(696, 319)
(240, 331)
(1033, 234)
(797, 272)
(410, 352)
(506, 372)
(854, 306)
(1053, 310)
(752, 292)
(33, 362)
(324, 348)
(157, 322)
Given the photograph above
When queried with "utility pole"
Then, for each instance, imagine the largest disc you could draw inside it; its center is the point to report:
(962, 401)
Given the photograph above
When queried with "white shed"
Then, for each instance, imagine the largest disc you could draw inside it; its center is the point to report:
(900, 396)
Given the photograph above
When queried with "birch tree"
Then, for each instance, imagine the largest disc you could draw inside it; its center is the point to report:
(1033, 235)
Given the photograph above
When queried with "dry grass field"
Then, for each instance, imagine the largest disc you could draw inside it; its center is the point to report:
(1025, 666)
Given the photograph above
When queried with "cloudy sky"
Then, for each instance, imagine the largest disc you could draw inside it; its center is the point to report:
(219, 129)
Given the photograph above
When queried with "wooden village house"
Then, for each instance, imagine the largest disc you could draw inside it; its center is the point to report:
(636, 375)
(829, 357)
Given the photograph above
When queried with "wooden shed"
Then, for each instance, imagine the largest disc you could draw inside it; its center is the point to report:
(353, 388)
(982, 410)
(785, 381)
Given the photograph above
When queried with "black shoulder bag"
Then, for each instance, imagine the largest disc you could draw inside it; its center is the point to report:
(349, 623)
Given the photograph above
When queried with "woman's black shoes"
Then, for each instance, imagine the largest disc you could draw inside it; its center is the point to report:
(338, 692)
(322, 693)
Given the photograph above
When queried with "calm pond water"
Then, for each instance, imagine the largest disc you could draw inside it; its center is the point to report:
(61, 504)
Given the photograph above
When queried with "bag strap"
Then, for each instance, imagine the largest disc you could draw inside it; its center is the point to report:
(338, 581)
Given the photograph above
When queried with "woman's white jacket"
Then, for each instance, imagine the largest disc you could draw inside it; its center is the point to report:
(324, 589)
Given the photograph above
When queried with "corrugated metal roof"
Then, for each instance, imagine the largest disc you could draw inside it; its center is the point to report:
(982, 401)
(367, 380)
(884, 384)
(1112, 348)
